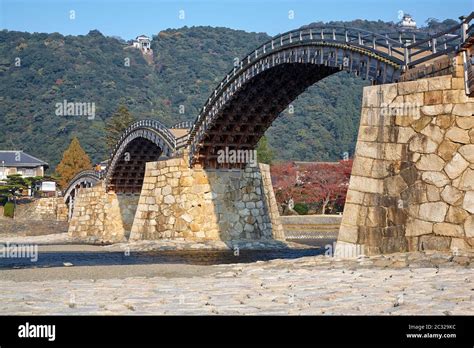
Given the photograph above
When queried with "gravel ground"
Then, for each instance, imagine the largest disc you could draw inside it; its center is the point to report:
(400, 284)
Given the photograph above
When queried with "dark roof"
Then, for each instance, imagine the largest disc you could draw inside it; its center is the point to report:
(25, 160)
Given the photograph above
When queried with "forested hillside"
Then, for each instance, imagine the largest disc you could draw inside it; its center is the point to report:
(39, 70)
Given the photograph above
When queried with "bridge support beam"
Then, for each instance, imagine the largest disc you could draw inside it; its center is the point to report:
(179, 202)
(412, 183)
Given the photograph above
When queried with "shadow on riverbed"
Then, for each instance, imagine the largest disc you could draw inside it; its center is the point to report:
(191, 257)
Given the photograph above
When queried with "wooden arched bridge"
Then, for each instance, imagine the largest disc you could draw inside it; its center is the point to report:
(261, 86)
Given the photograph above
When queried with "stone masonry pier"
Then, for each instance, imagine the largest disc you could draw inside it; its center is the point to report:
(178, 202)
(197, 204)
(97, 216)
(412, 183)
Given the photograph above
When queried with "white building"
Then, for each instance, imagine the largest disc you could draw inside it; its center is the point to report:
(19, 162)
(47, 186)
(143, 43)
(407, 22)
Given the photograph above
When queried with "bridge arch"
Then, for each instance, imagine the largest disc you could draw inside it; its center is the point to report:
(236, 115)
(143, 141)
(267, 80)
(85, 178)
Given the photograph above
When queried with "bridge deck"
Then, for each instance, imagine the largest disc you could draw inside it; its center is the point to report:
(179, 132)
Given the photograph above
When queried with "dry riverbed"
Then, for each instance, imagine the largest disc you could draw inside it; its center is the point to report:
(403, 283)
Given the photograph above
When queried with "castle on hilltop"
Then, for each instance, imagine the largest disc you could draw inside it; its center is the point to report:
(143, 43)
(407, 22)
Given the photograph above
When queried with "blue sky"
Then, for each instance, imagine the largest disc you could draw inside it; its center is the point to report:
(128, 18)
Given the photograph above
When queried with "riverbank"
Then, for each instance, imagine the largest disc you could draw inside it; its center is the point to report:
(431, 283)
(155, 245)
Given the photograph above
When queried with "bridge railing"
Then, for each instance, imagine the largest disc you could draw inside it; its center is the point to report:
(85, 173)
(440, 43)
(151, 124)
(183, 125)
(154, 125)
(382, 45)
(404, 50)
(89, 173)
(182, 141)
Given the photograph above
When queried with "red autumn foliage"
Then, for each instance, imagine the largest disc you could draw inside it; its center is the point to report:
(320, 185)
(284, 181)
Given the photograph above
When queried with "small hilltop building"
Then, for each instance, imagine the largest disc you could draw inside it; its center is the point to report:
(143, 43)
(407, 22)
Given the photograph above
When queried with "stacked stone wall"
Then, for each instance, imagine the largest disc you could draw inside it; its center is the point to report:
(412, 183)
(128, 204)
(197, 204)
(97, 216)
(274, 214)
(61, 210)
(47, 209)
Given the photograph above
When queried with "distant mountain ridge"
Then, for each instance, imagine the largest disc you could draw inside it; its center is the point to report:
(38, 70)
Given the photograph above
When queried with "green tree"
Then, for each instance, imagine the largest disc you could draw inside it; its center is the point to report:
(264, 151)
(117, 124)
(74, 160)
(15, 183)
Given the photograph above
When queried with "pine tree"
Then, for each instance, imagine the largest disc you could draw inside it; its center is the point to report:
(264, 152)
(74, 160)
(116, 125)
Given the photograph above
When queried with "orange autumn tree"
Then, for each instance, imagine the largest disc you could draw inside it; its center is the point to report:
(74, 160)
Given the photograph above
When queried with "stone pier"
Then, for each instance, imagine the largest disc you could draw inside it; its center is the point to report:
(178, 202)
(412, 183)
(97, 216)
(197, 204)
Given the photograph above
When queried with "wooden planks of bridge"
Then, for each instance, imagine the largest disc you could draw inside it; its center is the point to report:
(179, 132)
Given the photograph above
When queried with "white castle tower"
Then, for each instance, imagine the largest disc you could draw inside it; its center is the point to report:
(407, 22)
(143, 43)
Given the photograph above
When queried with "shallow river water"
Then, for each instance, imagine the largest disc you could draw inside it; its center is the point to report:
(193, 257)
